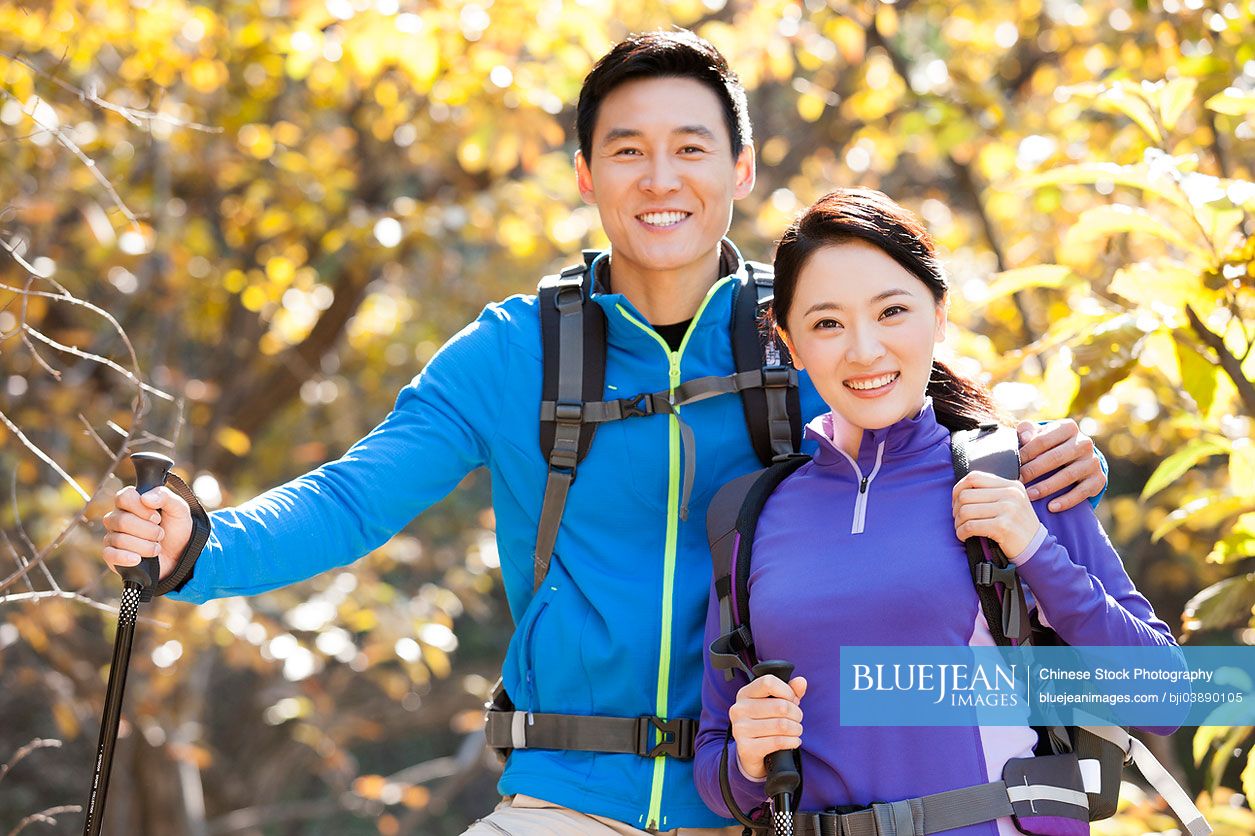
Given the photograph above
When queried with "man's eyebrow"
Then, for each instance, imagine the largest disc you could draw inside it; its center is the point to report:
(615, 134)
(879, 297)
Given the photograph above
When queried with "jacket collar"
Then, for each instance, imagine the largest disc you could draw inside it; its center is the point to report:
(906, 437)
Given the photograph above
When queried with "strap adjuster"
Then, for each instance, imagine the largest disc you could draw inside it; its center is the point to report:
(568, 412)
(987, 574)
(570, 296)
(777, 377)
(641, 406)
(675, 737)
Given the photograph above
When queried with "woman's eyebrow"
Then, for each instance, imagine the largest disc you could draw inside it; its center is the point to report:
(835, 306)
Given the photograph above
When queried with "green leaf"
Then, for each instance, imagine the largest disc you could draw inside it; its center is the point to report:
(1210, 509)
(1102, 221)
(1176, 465)
(1128, 99)
(1104, 358)
(1163, 284)
(1131, 176)
(1039, 275)
(1198, 376)
(1239, 543)
(1248, 775)
(1232, 102)
(1222, 605)
(1242, 468)
(1174, 98)
(1211, 733)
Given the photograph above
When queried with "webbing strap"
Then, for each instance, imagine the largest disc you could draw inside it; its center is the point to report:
(200, 536)
(1158, 777)
(568, 417)
(649, 737)
(913, 816)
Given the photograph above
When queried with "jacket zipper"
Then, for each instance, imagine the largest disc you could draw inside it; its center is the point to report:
(654, 815)
(860, 502)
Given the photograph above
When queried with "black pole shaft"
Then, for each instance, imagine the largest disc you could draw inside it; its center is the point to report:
(138, 581)
(127, 613)
(783, 778)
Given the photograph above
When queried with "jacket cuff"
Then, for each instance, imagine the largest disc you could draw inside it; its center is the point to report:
(196, 543)
(1032, 548)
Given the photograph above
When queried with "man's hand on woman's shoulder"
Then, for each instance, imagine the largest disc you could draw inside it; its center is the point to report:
(1060, 446)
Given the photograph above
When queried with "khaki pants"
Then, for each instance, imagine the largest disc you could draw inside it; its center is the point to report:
(522, 815)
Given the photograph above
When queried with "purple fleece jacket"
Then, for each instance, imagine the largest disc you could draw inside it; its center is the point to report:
(833, 566)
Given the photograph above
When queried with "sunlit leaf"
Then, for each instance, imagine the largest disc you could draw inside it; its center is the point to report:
(1039, 275)
(1174, 98)
(1242, 468)
(1176, 465)
(1103, 221)
(1164, 283)
(1198, 376)
(1132, 176)
(1222, 605)
(1204, 511)
(1103, 358)
(1233, 102)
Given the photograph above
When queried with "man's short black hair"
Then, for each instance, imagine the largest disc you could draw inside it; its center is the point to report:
(664, 54)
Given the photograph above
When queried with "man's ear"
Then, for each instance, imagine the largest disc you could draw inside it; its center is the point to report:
(584, 179)
(784, 335)
(745, 173)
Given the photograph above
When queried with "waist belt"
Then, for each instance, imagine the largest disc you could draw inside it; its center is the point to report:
(914, 816)
(583, 733)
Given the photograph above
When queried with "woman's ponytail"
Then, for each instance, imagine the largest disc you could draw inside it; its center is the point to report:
(960, 403)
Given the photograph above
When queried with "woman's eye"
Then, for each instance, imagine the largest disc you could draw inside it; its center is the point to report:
(892, 310)
(827, 324)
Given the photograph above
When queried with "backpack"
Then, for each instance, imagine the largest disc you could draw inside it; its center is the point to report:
(1075, 770)
(573, 406)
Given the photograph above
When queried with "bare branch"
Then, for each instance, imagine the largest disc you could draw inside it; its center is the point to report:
(44, 457)
(104, 361)
(87, 161)
(45, 817)
(135, 116)
(65, 595)
(37, 743)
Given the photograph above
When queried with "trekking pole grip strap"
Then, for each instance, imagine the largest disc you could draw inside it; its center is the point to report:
(195, 544)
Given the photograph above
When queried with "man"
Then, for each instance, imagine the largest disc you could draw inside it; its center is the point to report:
(615, 628)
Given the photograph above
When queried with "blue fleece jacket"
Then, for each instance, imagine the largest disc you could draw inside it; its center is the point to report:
(616, 627)
(833, 565)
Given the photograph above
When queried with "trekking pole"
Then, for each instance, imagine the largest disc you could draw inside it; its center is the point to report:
(783, 778)
(137, 587)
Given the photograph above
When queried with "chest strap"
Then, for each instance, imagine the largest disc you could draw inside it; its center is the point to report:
(649, 737)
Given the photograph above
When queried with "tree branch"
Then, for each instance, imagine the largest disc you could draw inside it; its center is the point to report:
(1230, 364)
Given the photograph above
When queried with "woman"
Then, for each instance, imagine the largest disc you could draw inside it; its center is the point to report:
(863, 545)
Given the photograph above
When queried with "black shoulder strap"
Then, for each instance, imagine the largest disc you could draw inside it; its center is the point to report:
(573, 339)
(731, 522)
(773, 412)
(993, 448)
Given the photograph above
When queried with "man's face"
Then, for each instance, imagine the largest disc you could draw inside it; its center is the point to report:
(661, 174)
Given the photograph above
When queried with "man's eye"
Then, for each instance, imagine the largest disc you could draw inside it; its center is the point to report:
(692, 149)
(892, 310)
(624, 152)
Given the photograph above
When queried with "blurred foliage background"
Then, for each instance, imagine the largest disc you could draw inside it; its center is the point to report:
(288, 205)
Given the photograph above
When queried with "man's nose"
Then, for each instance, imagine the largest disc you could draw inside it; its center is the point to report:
(661, 177)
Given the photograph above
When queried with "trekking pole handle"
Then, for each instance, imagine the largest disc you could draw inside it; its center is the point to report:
(782, 774)
(150, 472)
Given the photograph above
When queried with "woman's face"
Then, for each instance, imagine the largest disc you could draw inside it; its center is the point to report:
(864, 327)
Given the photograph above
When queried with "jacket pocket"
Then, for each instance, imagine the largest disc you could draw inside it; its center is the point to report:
(527, 699)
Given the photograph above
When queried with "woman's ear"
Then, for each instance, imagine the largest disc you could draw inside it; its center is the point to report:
(943, 316)
(784, 335)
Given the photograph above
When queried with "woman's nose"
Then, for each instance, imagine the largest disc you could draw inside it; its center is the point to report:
(866, 347)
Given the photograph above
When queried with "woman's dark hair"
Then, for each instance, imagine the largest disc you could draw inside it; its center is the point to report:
(673, 54)
(868, 215)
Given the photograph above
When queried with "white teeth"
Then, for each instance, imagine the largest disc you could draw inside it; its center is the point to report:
(663, 218)
(873, 383)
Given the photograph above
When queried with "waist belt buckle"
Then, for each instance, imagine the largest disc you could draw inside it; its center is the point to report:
(675, 737)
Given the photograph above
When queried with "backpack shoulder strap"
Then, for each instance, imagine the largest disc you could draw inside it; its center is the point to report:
(573, 340)
(773, 412)
(993, 448)
(731, 522)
